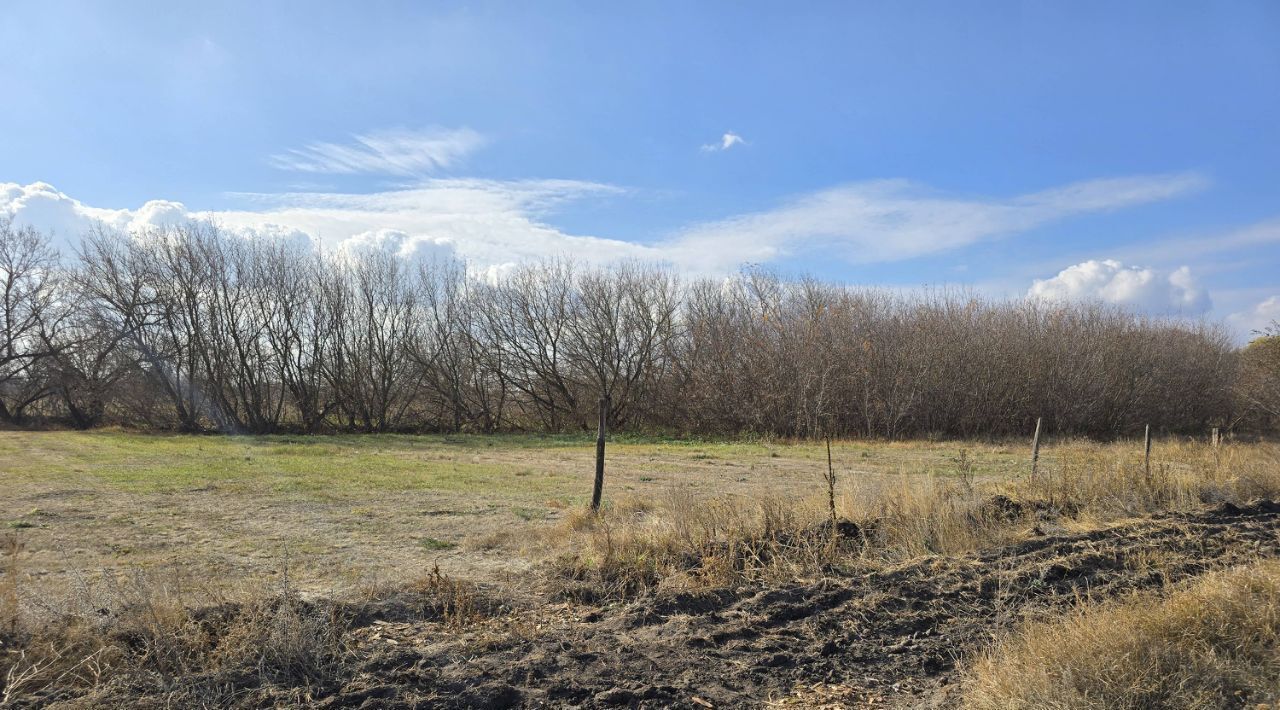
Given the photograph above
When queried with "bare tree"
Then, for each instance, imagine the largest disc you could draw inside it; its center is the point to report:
(30, 317)
(374, 306)
(195, 328)
(458, 367)
(526, 317)
(620, 327)
(300, 327)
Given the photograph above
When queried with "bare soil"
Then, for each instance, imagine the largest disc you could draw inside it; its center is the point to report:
(884, 638)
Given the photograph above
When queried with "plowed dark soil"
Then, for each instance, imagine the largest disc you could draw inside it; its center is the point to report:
(891, 638)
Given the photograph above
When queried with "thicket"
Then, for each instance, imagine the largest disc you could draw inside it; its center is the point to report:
(194, 329)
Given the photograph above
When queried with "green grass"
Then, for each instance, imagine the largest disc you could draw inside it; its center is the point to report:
(346, 466)
(530, 514)
(333, 465)
(431, 543)
(325, 467)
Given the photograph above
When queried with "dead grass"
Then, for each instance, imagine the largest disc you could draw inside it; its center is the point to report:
(681, 540)
(149, 636)
(1213, 644)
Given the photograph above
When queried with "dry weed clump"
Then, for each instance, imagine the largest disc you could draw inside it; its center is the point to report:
(1213, 644)
(159, 637)
(686, 541)
(682, 542)
(433, 597)
(1111, 481)
(146, 636)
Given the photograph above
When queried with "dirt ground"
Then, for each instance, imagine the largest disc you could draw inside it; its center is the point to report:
(888, 638)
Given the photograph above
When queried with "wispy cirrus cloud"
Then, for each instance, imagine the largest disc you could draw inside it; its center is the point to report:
(893, 220)
(399, 152)
(1261, 317)
(727, 141)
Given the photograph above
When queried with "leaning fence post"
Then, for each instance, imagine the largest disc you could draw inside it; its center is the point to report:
(1146, 452)
(1035, 449)
(598, 489)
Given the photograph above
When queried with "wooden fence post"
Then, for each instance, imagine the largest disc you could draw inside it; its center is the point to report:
(1035, 449)
(1146, 452)
(831, 489)
(598, 489)
(1217, 439)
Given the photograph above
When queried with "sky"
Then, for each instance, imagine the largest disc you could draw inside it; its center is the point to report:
(1122, 152)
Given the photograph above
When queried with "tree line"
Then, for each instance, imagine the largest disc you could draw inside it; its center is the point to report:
(193, 329)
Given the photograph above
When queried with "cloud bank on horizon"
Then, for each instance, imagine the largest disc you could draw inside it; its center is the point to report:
(493, 225)
(492, 222)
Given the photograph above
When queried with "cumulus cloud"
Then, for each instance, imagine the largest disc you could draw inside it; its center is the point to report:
(420, 248)
(42, 206)
(66, 219)
(1109, 281)
(1264, 315)
(727, 141)
(159, 213)
(404, 153)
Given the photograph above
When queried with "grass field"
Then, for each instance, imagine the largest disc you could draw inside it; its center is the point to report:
(338, 510)
(111, 536)
(347, 509)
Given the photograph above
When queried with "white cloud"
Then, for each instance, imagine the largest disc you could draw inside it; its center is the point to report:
(1235, 243)
(1109, 281)
(389, 152)
(159, 213)
(494, 224)
(66, 219)
(1265, 314)
(890, 220)
(727, 141)
(488, 222)
(41, 205)
(419, 248)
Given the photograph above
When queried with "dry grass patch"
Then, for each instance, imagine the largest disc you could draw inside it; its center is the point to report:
(681, 540)
(1213, 644)
(155, 637)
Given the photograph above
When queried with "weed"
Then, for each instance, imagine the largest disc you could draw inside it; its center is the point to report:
(964, 469)
(431, 543)
(686, 541)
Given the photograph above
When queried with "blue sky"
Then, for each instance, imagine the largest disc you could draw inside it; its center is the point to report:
(1127, 152)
